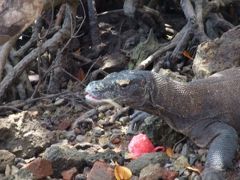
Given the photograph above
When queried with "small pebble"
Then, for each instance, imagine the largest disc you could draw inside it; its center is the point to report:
(97, 131)
(77, 130)
(115, 139)
(201, 151)
(168, 165)
(14, 169)
(78, 108)
(105, 146)
(80, 138)
(124, 120)
(19, 165)
(80, 177)
(59, 102)
(185, 150)
(178, 148)
(70, 135)
(101, 115)
(182, 178)
(118, 123)
(7, 170)
(186, 173)
(101, 122)
(192, 158)
(203, 158)
(19, 160)
(86, 170)
(103, 140)
(95, 118)
(104, 108)
(46, 113)
(108, 113)
(90, 113)
(194, 176)
(116, 131)
(111, 146)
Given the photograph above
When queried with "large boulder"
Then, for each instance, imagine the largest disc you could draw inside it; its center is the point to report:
(23, 135)
(217, 55)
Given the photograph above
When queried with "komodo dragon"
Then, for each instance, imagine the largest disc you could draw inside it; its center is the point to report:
(206, 110)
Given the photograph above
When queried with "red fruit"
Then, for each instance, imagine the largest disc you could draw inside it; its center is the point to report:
(141, 144)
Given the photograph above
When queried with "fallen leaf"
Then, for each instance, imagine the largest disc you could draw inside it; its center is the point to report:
(122, 172)
(80, 74)
(187, 54)
(194, 169)
(169, 152)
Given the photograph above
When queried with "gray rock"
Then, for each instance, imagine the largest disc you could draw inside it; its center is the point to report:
(107, 156)
(59, 102)
(6, 158)
(22, 174)
(151, 158)
(23, 135)
(64, 157)
(80, 138)
(218, 54)
(156, 172)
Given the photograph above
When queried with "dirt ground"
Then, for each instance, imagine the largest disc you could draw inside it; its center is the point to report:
(49, 131)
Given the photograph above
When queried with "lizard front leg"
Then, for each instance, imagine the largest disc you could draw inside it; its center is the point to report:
(222, 149)
(136, 119)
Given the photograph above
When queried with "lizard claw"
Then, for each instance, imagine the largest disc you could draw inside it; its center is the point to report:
(136, 118)
(213, 174)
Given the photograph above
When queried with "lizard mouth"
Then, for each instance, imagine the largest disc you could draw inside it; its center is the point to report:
(92, 99)
(96, 100)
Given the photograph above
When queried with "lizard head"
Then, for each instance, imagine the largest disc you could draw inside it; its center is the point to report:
(126, 87)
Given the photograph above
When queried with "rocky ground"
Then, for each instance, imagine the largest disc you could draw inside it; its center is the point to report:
(64, 143)
(54, 134)
(54, 141)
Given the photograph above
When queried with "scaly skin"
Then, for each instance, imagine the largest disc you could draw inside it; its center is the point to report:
(207, 111)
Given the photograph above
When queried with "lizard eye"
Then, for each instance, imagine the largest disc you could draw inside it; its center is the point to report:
(123, 83)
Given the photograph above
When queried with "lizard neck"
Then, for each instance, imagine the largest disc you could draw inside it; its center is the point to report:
(166, 97)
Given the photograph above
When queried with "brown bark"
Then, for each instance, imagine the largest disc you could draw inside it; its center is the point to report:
(16, 16)
(51, 45)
